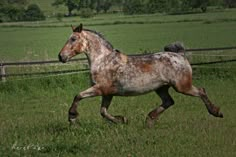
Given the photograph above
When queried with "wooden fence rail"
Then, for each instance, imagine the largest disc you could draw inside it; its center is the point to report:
(3, 65)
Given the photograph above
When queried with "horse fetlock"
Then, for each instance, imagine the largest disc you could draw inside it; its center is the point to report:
(153, 114)
(73, 116)
(215, 111)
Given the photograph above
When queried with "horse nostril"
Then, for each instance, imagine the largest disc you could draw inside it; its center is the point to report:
(60, 58)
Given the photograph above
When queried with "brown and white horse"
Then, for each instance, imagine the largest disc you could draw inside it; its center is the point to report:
(116, 74)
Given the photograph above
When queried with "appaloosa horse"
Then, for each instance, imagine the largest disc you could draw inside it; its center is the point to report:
(116, 74)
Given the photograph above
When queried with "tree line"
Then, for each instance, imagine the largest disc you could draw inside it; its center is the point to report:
(143, 6)
(15, 10)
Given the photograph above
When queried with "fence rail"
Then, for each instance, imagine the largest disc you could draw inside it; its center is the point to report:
(3, 65)
(211, 49)
(38, 62)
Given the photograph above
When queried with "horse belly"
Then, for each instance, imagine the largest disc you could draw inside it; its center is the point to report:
(139, 85)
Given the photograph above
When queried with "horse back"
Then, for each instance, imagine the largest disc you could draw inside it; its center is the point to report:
(144, 73)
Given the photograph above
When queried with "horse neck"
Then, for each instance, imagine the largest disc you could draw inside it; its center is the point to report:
(98, 49)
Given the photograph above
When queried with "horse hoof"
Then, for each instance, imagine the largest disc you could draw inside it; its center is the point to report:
(220, 115)
(150, 122)
(72, 121)
(215, 111)
(121, 119)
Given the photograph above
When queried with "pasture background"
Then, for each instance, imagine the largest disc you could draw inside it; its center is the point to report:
(33, 112)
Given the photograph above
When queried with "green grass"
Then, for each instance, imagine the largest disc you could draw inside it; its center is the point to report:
(33, 111)
(131, 34)
(45, 43)
(34, 114)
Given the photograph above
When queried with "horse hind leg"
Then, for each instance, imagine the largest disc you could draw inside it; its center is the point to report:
(167, 101)
(189, 89)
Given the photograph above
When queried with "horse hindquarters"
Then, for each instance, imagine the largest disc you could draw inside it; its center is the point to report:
(184, 85)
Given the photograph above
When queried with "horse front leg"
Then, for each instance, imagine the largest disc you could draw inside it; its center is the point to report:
(90, 92)
(106, 101)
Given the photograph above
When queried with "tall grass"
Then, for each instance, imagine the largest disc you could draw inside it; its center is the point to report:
(33, 122)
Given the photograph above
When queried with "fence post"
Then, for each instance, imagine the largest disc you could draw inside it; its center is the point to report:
(3, 73)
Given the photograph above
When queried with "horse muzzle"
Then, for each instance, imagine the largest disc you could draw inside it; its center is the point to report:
(62, 59)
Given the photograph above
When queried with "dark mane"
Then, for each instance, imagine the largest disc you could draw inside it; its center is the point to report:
(107, 43)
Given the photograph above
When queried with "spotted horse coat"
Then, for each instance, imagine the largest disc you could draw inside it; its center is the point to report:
(115, 74)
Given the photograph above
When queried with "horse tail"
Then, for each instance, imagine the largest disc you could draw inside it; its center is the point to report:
(176, 47)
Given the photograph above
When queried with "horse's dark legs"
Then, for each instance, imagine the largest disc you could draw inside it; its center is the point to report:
(106, 101)
(90, 92)
(167, 101)
(200, 92)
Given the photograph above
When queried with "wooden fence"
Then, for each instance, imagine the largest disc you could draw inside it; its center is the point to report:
(4, 75)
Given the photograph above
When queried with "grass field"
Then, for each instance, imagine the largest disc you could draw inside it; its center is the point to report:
(33, 111)
(43, 40)
(34, 122)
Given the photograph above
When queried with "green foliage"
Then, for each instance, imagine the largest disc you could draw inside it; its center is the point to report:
(11, 11)
(86, 13)
(230, 3)
(166, 6)
(134, 7)
(15, 11)
(104, 5)
(70, 4)
(85, 6)
(157, 6)
(200, 4)
(59, 16)
(33, 13)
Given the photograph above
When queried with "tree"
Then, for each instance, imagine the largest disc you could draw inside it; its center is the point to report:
(158, 6)
(33, 13)
(230, 3)
(12, 10)
(70, 4)
(200, 4)
(98, 5)
(17, 2)
(133, 7)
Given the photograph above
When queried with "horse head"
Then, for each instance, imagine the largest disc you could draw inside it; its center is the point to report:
(76, 44)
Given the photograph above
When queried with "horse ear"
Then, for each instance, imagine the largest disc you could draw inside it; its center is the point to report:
(73, 28)
(79, 28)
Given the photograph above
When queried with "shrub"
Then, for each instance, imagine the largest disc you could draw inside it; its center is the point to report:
(59, 16)
(86, 13)
(33, 13)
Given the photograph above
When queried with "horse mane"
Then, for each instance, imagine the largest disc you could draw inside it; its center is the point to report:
(107, 43)
(175, 47)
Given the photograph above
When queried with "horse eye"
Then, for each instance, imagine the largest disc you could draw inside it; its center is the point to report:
(73, 39)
